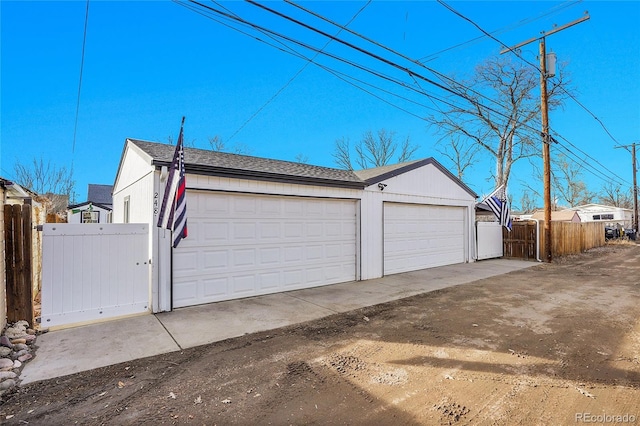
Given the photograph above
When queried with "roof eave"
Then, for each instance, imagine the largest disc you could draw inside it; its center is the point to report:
(264, 176)
(418, 164)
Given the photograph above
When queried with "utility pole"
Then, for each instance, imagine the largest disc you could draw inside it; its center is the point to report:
(546, 155)
(546, 138)
(635, 184)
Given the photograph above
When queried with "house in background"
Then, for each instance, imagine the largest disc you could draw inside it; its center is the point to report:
(97, 208)
(558, 216)
(259, 226)
(611, 216)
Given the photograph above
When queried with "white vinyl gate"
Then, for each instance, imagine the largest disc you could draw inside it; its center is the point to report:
(93, 271)
(489, 240)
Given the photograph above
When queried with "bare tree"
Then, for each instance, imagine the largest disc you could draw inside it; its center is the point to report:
(218, 145)
(613, 195)
(461, 154)
(342, 154)
(527, 202)
(567, 184)
(301, 158)
(373, 150)
(504, 127)
(54, 184)
(191, 143)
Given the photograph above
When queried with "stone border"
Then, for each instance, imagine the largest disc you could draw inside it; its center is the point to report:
(17, 346)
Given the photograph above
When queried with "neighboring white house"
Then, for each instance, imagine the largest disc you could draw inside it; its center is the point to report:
(97, 208)
(88, 212)
(259, 226)
(607, 214)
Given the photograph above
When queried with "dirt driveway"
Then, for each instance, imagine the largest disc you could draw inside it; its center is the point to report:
(553, 344)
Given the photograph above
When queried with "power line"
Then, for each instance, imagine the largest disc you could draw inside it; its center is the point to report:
(411, 73)
(84, 42)
(552, 11)
(340, 75)
(527, 62)
(406, 70)
(309, 61)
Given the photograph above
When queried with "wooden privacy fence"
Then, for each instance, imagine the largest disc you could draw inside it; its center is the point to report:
(567, 238)
(18, 261)
(572, 238)
(520, 243)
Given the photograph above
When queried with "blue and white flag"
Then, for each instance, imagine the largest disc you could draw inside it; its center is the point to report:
(499, 205)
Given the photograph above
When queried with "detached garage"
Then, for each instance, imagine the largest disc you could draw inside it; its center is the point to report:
(260, 226)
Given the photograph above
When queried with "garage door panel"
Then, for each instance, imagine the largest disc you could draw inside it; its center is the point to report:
(269, 231)
(243, 285)
(214, 259)
(214, 287)
(251, 245)
(269, 256)
(422, 236)
(269, 280)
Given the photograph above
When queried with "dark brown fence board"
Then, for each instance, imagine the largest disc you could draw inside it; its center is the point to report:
(18, 262)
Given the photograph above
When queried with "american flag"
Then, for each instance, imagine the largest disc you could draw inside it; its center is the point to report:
(173, 213)
(497, 202)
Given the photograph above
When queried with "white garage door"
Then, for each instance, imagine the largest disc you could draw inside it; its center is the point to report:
(422, 236)
(246, 245)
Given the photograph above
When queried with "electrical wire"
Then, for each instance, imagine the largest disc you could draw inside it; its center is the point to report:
(84, 43)
(309, 61)
(411, 73)
(390, 63)
(526, 21)
(448, 7)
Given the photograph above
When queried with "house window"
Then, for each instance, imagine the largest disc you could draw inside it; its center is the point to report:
(125, 219)
(608, 216)
(89, 216)
(596, 217)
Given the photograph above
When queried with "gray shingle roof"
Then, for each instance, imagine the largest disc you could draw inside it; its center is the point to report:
(215, 163)
(100, 194)
(234, 165)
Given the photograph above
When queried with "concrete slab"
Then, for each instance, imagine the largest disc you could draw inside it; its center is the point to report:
(77, 349)
(203, 324)
(72, 350)
(352, 295)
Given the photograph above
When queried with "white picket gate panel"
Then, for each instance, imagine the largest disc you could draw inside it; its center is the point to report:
(93, 272)
(489, 240)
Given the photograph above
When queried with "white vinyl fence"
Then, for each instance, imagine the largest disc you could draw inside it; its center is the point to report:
(93, 272)
(489, 240)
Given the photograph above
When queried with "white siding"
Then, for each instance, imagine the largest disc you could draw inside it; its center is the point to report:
(137, 180)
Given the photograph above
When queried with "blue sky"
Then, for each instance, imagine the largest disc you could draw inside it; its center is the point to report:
(149, 63)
